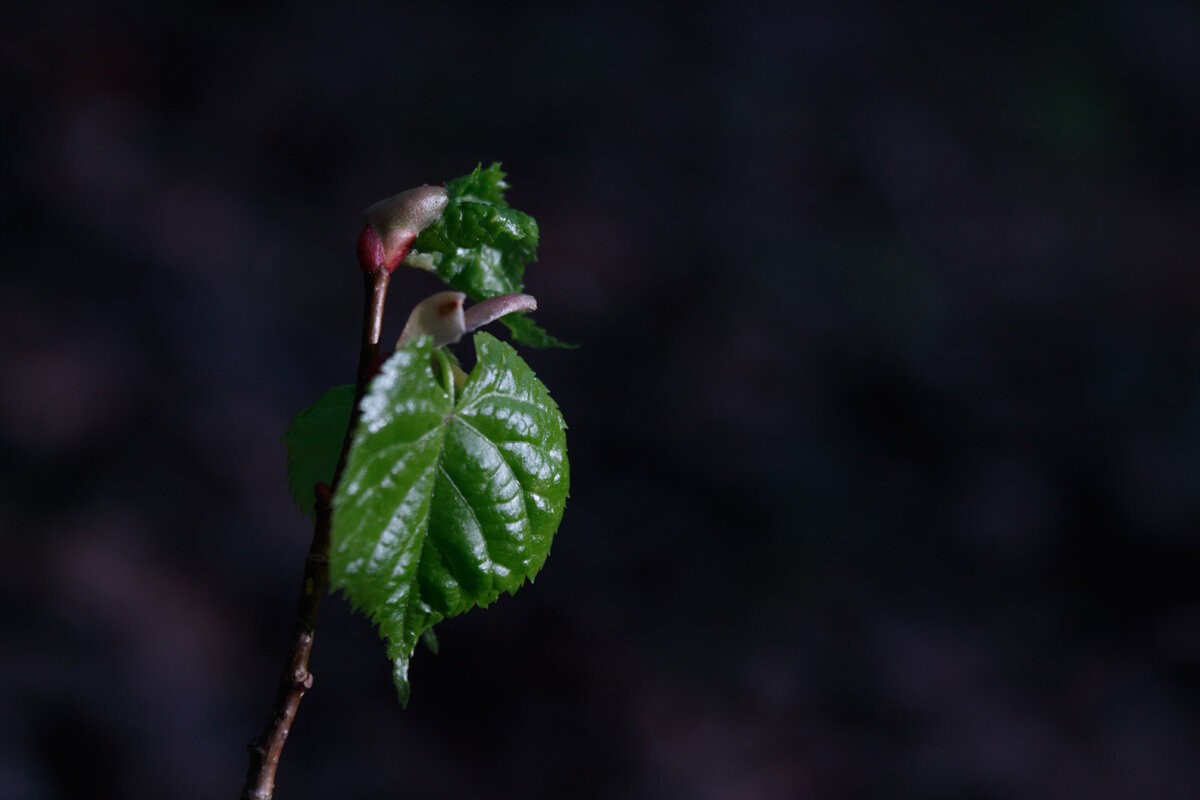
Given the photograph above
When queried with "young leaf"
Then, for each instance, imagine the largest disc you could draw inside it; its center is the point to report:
(526, 331)
(480, 246)
(482, 185)
(314, 442)
(446, 502)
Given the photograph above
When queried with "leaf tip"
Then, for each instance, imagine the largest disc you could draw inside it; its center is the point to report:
(400, 678)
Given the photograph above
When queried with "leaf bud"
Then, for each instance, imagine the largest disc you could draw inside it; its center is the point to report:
(442, 316)
(493, 308)
(392, 226)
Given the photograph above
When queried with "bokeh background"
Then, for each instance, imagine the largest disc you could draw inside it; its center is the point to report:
(885, 419)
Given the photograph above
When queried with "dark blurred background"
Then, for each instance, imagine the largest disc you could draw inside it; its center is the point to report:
(885, 422)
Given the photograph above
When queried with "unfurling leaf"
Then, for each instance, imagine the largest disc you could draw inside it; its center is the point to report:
(446, 501)
(480, 246)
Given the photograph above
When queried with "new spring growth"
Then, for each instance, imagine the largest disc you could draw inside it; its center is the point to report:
(442, 316)
(392, 226)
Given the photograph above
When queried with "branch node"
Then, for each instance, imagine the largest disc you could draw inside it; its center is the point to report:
(302, 679)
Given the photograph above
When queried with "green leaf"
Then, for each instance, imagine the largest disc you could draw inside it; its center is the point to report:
(314, 442)
(446, 502)
(480, 245)
(526, 331)
(483, 185)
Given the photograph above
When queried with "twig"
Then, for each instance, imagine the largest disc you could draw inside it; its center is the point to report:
(296, 679)
(375, 287)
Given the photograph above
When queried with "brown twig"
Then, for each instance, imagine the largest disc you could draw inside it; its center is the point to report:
(296, 679)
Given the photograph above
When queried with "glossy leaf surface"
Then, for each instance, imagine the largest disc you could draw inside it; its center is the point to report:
(446, 501)
(480, 246)
(314, 442)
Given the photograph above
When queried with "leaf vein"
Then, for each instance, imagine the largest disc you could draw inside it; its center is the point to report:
(470, 509)
(502, 453)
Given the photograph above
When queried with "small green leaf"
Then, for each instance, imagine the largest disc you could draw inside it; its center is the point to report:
(314, 442)
(446, 502)
(483, 185)
(526, 331)
(480, 245)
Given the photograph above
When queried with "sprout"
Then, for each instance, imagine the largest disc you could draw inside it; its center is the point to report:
(442, 316)
(393, 224)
